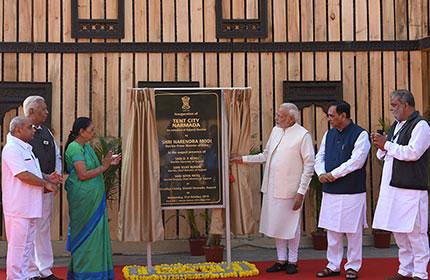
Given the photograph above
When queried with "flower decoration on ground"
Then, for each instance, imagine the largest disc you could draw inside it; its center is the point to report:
(190, 271)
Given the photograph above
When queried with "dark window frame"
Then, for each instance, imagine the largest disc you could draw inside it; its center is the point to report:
(242, 28)
(13, 94)
(307, 93)
(97, 28)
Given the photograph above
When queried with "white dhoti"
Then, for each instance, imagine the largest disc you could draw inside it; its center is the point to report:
(20, 251)
(343, 213)
(44, 257)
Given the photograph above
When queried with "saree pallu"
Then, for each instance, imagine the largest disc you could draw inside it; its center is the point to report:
(89, 238)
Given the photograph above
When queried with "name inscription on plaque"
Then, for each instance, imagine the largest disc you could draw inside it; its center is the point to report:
(189, 131)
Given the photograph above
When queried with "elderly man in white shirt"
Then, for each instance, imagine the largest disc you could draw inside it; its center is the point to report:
(22, 195)
(403, 199)
(289, 157)
(48, 154)
(341, 166)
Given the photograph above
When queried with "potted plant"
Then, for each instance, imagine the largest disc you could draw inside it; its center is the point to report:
(381, 238)
(214, 251)
(196, 241)
(319, 237)
(102, 145)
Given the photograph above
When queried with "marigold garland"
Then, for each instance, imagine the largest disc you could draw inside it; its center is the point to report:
(190, 271)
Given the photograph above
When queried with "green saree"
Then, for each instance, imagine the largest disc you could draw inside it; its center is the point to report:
(89, 239)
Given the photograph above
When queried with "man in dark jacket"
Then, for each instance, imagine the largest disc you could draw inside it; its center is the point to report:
(46, 150)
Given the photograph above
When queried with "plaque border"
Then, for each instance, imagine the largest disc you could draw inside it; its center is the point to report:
(221, 146)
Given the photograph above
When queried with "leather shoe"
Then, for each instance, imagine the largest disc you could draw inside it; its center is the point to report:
(291, 268)
(51, 277)
(399, 277)
(34, 278)
(277, 267)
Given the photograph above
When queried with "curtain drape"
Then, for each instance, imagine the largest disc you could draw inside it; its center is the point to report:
(140, 207)
(239, 129)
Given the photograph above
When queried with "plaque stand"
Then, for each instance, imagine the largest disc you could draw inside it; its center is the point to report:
(225, 183)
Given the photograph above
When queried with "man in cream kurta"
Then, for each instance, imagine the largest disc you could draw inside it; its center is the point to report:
(403, 199)
(289, 158)
(340, 166)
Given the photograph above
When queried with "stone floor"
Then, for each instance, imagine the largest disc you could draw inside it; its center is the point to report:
(241, 252)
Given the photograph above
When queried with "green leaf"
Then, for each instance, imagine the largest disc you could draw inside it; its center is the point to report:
(102, 145)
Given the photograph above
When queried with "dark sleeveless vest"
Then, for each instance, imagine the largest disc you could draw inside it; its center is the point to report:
(409, 174)
(44, 149)
(338, 149)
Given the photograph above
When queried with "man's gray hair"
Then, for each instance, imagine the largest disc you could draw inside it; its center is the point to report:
(404, 96)
(292, 110)
(31, 102)
(16, 122)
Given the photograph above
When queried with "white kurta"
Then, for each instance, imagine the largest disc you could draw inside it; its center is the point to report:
(398, 208)
(344, 212)
(278, 220)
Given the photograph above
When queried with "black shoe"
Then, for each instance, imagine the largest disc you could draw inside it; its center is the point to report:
(51, 277)
(291, 268)
(34, 278)
(277, 267)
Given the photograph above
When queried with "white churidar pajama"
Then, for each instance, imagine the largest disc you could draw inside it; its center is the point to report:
(293, 247)
(405, 211)
(44, 256)
(22, 206)
(344, 213)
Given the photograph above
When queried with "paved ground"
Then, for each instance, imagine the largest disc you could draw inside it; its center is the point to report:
(239, 253)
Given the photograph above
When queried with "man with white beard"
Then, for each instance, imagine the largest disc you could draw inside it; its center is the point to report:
(289, 157)
(403, 199)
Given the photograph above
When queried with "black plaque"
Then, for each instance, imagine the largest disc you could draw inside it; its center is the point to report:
(189, 141)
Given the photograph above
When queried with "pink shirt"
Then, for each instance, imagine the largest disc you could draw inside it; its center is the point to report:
(20, 199)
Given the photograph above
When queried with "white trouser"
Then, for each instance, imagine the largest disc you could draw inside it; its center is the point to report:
(42, 247)
(293, 247)
(20, 250)
(413, 252)
(335, 250)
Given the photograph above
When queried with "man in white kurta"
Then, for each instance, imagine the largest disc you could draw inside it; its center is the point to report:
(340, 166)
(22, 195)
(289, 158)
(48, 154)
(403, 207)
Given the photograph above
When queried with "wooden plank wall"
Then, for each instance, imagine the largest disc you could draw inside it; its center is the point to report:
(95, 84)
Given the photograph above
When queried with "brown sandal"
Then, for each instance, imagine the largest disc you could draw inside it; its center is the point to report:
(351, 274)
(327, 272)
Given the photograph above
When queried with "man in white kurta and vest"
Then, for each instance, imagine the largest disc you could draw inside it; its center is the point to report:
(341, 166)
(403, 199)
(289, 158)
(23, 186)
(48, 154)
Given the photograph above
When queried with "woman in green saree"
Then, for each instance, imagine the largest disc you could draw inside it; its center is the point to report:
(89, 239)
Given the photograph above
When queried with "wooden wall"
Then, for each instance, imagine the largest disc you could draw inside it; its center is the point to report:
(94, 84)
